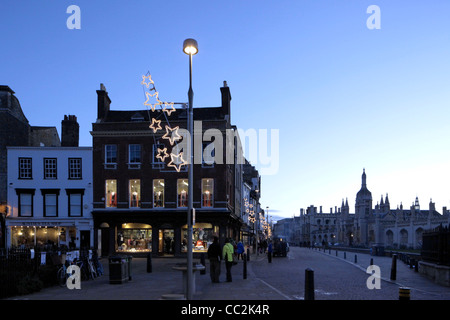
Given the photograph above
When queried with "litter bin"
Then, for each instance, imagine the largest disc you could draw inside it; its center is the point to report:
(118, 270)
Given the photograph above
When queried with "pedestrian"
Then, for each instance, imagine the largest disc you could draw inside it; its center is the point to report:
(227, 255)
(214, 260)
(240, 250)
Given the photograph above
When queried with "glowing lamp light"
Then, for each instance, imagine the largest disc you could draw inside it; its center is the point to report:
(190, 46)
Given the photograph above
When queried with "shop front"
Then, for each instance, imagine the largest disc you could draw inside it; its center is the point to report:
(49, 234)
(158, 233)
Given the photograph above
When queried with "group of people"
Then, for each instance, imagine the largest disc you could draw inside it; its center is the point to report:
(227, 253)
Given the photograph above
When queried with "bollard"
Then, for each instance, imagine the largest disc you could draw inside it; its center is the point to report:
(416, 267)
(149, 263)
(394, 267)
(411, 263)
(248, 254)
(309, 284)
(356, 258)
(202, 261)
(245, 266)
(345, 255)
(371, 261)
(269, 256)
(404, 293)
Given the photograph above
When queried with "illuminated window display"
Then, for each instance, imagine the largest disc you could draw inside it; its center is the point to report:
(158, 193)
(182, 191)
(134, 237)
(202, 236)
(135, 193)
(111, 193)
(32, 236)
(207, 192)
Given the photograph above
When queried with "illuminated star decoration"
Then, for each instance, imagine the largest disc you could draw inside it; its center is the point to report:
(173, 132)
(148, 95)
(162, 154)
(155, 125)
(177, 161)
(150, 81)
(172, 109)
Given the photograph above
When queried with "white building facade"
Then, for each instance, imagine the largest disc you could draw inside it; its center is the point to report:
(49, 197)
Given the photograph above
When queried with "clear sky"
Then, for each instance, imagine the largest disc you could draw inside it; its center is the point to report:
(343, 97)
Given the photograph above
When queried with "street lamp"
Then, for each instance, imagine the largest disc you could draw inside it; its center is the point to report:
(190, 47)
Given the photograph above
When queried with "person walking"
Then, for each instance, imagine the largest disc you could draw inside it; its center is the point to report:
(214, 260)
(227, 255)
(240, 250)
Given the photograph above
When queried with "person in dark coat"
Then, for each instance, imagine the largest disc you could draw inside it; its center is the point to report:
(214, 253)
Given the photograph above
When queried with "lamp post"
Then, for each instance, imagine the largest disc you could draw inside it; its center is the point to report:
(190, 47)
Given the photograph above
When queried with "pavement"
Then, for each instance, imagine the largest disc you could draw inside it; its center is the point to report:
(166, 283)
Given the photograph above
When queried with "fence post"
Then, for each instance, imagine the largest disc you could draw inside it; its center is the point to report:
(245, 266)
(394, 267)
(309, 284)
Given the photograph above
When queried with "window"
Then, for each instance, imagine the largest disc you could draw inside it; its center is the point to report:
(75, 168)
(134, 156)
(25, 171)
(75, 205)
(50, 197)
(182, 191)
(158, 193)
(160, 154)
(25, 202)
(135, 193)
(50, 168)
(207, 192)
(110, 156)
(111, 193)
(208, 155)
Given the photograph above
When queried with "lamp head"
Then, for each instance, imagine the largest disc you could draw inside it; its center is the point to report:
(190, 46)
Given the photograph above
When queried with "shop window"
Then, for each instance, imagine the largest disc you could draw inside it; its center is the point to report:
(134, 237)
(75, 168)
(182, 192)
(25, 168)
(50, 171)
(158, 193)
(135, 193)
(134, 156)
(111, 193)
(202, 236)
(110, 156)
(207, 192)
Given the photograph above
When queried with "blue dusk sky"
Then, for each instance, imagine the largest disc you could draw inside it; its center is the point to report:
(342, 96)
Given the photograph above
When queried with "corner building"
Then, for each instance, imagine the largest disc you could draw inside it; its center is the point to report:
(140, 197)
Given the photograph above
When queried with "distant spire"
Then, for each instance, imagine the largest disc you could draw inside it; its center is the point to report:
(363, 178)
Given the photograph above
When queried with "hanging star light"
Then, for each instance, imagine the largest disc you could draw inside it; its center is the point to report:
(150, 81)
(162, 154)
(155, 125)
(148, 95)
(172, 109)
(177, 161)
(172, 138)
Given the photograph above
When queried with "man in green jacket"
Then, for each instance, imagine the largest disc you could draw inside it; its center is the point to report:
(227, 254)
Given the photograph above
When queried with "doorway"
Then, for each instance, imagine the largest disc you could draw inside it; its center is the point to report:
(166, 242)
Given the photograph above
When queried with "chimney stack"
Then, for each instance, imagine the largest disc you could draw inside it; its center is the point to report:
(103, 102)
(70, 131)
(226, 98)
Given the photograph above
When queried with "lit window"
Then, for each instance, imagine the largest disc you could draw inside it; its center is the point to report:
(207, 192)
(135, 192)
(111, 193)
(182, 192)
(158, 193)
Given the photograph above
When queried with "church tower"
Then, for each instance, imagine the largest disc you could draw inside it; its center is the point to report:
(363, 210)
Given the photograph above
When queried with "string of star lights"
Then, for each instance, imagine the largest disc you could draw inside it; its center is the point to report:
(176, 160)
